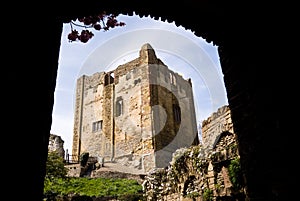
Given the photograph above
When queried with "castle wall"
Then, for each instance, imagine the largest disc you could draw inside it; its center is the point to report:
(197, 170)
(107, 138)
(92, 113)
(56, 144)
(133, 125)
(127, 115)
(78, 116)
(92, 121)
(173, 113)
(217, 123)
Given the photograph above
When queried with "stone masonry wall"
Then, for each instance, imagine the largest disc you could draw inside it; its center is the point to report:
(77, 116)
(173, 113)
(56, 144)
(93, 101)
(127, 115)
(199, 173)
(133, 126)
(213, 126)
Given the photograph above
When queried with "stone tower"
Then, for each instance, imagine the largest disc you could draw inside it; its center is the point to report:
(137, 114)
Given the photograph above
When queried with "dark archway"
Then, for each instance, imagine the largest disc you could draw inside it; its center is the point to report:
(242, 35)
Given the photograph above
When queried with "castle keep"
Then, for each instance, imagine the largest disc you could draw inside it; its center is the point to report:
(136, 115)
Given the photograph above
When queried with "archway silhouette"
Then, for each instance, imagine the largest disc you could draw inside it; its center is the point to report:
(251, 98)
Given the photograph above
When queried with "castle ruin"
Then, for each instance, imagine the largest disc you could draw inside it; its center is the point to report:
(219, 122)
(56, 144)
(137, 115)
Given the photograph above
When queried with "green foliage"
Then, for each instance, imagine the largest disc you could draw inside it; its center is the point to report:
(123, 189)
(55, 167)
(57, 184)
(235, 173)
(193, 195)
(208, 195)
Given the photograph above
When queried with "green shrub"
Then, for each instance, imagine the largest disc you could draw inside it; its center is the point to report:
(55, 167)
(208, 195)
(235, 173)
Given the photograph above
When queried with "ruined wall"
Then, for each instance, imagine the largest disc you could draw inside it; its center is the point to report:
(219, 122)
(56, 144)
(73, 170)
(197, 173)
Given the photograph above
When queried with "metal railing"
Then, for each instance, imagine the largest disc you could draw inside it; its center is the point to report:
(72, 159)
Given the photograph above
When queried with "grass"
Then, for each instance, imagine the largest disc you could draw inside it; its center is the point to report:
(93, 187)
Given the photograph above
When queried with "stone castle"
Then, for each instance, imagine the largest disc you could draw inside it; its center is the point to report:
(138, 114)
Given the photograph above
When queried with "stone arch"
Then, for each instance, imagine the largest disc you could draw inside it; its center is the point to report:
(220, 136)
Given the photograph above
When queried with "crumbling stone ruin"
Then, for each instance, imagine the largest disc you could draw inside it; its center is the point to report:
(202, 172)
(137, 115)
(56, 144)
(219, 122)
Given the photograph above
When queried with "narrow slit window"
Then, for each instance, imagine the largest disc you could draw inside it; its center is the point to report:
(119, 106)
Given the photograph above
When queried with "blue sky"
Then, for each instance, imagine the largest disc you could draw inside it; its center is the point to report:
(179, 49)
